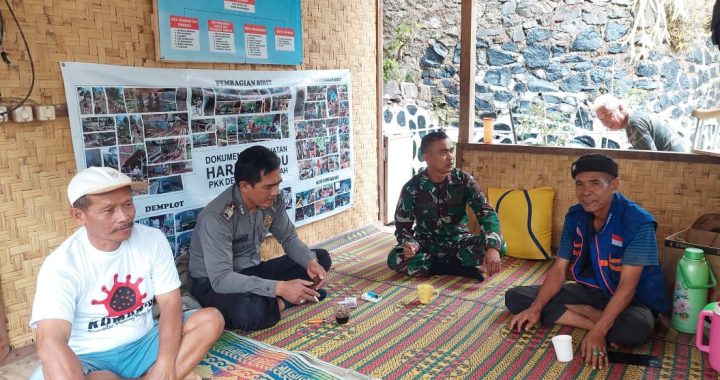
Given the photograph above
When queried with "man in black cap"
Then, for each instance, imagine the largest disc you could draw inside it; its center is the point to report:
(608, 243)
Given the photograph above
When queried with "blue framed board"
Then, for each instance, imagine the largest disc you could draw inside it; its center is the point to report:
(235, 31)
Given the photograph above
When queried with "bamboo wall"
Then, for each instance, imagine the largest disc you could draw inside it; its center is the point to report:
(36, 159)
(674, 188)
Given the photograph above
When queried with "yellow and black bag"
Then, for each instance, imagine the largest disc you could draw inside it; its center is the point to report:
(526, 220)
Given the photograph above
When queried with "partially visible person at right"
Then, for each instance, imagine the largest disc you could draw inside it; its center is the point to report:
(644, 132)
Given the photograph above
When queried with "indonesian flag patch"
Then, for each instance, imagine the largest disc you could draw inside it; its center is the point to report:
(617, 240)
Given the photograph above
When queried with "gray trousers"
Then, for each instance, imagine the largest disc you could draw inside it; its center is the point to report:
(631, 328)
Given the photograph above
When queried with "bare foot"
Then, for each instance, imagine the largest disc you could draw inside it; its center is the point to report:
(192, 376)
(664, 320)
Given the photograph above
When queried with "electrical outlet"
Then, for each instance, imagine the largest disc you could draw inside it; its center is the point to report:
(43, 113)
(22, 114)
(3, 114)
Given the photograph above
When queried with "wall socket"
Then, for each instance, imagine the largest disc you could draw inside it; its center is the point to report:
(43, 113)
(22, 114)
(3, 114)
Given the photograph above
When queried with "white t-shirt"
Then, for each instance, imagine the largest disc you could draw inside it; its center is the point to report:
(107, 296)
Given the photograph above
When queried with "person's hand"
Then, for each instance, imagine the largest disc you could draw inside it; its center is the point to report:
(314, 269)
(161, 370)
(491, 261)
(594, 350)
(410, 249)
(525, 319)
(296, 291)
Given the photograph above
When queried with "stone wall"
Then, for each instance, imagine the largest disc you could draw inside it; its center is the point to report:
(551, 58)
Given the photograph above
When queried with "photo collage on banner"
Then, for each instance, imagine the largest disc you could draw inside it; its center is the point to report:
(322, 139)
(183, 139)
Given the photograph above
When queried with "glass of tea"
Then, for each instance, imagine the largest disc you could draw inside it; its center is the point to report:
(342, 312)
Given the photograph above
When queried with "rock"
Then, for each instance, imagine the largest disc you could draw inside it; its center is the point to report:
(610, 144)
(431, 58)
(412, 125)
(565, 12)
(621, 87)
(583, 66)
(604, 62)
(536, 35)
(535, 84)
(499, 58)
(487, 32)
(440, 49)
(508, 8)
(584, 141)
(617, 12)
(574, 83)
(600, 76)
(616, 48)
(536, 57)
(483, 105)
(509, 46)
(573, 58)
(503, 96)
(551, 99)
(696, 56)
(409, 90)
(519, 70)
(587, 40)
(433, 23)
(421, 122)
(646, 70)
(452, 101)
(517, 34)
(646, 84)
(558, 50)
(498, 77)
(481, 43)
(451, 86)
(656, 56)
(392, 87)
(555, 71)
(594, 18)
(520, 87)
(615, 31)
(479, 88)
(583, 120)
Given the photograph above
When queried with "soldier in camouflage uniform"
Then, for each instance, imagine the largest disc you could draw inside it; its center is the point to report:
(434, 202)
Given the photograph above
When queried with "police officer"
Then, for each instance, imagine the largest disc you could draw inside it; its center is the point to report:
(225, 249)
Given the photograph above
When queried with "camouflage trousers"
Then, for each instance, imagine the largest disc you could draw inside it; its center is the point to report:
(469, 250)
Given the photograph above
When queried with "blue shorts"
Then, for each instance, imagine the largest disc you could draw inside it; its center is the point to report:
(131, 360)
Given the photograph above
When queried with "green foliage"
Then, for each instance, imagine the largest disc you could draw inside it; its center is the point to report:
(392, 51)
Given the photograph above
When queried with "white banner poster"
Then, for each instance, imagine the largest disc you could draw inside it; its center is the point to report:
(182, 130)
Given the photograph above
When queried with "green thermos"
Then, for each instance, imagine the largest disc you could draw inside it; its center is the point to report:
(692, 280)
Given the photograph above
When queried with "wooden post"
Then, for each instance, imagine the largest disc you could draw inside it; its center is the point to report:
(379, 84)
(4, 336)
(468, 24)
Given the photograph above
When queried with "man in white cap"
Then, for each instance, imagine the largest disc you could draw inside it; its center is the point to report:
(95, 292)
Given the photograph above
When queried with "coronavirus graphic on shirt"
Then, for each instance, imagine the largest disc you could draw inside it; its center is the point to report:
(123, 297)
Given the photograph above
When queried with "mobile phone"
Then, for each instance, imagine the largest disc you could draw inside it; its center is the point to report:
(634, 359)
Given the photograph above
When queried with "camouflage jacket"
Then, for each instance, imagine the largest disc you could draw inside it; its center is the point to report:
(437, 210)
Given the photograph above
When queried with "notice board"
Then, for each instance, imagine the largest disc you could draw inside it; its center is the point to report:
(235, 31)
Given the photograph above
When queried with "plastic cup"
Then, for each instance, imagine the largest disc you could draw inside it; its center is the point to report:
(426, 293)
(563, 347)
